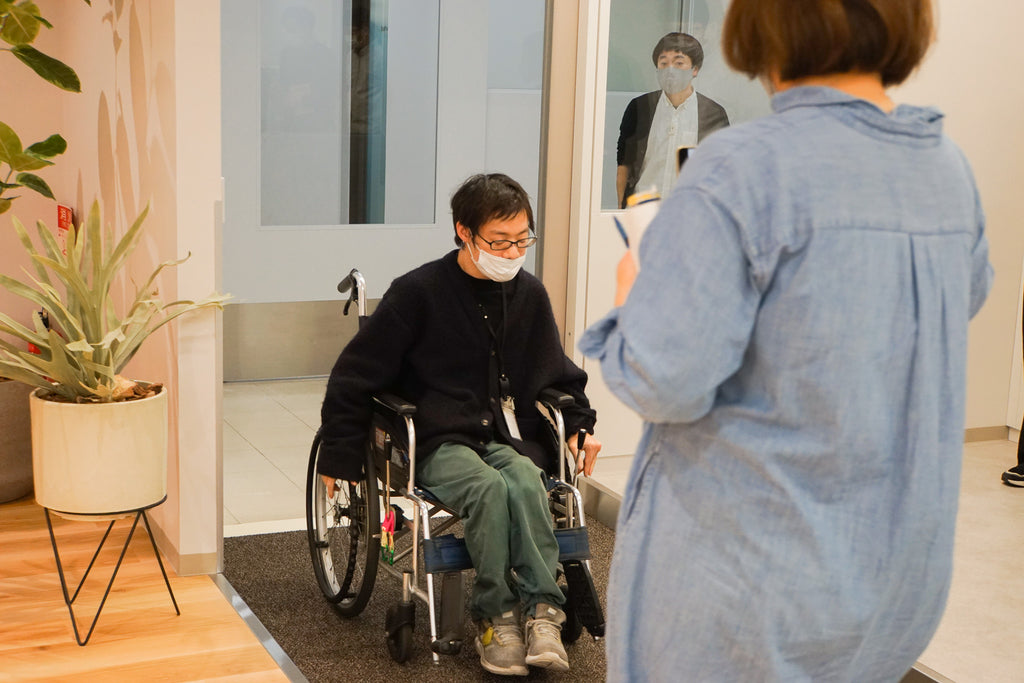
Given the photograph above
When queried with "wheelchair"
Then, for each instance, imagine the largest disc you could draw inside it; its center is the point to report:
(361, 529)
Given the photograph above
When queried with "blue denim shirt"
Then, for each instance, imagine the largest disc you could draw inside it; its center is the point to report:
(796, 344)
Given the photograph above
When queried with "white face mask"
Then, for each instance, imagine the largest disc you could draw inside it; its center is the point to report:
(497, 268)
(673, 80)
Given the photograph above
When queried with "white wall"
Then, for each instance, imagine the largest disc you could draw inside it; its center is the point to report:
(1015, 407)
(199, 339)
(973, 75)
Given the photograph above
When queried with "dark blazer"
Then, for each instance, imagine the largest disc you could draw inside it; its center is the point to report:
(636, 126)
(428, 343)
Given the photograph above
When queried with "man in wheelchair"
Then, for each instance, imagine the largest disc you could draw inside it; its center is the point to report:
(471, 340)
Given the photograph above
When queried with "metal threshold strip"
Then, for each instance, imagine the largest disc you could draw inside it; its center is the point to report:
(259, 630)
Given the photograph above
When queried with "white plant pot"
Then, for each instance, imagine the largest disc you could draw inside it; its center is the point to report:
(99, 458)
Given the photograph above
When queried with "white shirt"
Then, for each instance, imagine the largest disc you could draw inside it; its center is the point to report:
(671, 128)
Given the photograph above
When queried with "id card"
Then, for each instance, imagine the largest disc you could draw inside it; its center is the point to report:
(508, 410)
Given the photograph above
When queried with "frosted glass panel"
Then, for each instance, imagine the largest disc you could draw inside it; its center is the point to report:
(327, 143)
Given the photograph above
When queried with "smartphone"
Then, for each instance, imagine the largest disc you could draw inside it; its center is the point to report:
(682, 154)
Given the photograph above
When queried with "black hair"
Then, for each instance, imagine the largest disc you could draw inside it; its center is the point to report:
(680, 42)
(486, 197)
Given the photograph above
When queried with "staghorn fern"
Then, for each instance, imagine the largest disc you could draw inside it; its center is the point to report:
(87, 345)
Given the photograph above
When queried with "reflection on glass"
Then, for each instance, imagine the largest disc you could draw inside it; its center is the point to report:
(656, 125)
(326, 73)
(654, 109)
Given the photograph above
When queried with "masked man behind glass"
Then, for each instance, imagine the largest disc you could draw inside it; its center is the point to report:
(655, 125)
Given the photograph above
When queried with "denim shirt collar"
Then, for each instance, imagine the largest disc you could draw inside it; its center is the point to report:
(905, 121)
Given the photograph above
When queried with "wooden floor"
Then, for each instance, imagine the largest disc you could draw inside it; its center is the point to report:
(138, 636)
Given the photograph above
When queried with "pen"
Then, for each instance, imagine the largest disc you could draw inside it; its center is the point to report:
(622, 230)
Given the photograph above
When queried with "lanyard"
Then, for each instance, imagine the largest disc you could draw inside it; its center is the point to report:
(504, 386)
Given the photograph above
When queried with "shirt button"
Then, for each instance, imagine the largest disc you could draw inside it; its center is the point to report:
(485, 422)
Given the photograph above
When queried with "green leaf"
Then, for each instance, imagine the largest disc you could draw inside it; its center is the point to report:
(30, 248)
(80, 346)
(4, 205)
(124, 247)
(50, 147)
(58, 312)
(50, 69)
(21, 26)
(25, 376)
(34, 182)
(10, 143)
(8, 186)
(28, 162)
(43, 21)
(12, 327)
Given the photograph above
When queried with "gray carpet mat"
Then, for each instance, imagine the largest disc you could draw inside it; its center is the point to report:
(273, 574)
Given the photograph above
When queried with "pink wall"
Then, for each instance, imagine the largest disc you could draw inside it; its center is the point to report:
(122, 149)
(32, 108)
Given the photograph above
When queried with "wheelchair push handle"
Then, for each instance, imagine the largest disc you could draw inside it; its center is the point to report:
(355, 285)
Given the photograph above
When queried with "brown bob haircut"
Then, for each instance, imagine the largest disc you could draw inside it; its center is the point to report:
(802, 38)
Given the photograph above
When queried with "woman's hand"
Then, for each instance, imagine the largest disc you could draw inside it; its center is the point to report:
(586, 460)
(625, 274)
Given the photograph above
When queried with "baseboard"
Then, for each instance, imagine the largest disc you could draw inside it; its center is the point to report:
(193, 564)
(922, 674)
(600, 502)
(986, 434)
(295, 339)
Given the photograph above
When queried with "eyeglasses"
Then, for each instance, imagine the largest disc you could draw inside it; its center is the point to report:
(502, 245)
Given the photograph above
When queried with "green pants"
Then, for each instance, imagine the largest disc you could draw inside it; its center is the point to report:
(503, 503)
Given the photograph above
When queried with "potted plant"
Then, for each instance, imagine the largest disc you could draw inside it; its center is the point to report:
(20, 24)
(99, 440)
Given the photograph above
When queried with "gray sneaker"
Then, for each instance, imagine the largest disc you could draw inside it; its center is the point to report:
(544, 639)
(500, 644)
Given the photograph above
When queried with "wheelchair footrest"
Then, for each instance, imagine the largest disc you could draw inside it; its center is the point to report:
(445, 554)
(451, 615)
(573, 544)
(448, 553)
(583, 597)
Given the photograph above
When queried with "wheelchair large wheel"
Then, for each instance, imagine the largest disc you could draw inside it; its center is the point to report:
(344, 536)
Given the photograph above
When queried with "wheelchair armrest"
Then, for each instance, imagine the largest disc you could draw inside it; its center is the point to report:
(556, 399)
(395, 404)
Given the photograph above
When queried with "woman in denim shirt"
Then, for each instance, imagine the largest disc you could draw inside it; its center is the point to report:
(796, 342)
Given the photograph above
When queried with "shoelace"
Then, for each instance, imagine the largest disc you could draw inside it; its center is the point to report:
(544, 628)
(507, 634)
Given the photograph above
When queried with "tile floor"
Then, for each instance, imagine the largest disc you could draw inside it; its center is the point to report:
(268, 428)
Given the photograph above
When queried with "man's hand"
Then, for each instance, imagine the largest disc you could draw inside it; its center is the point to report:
(333, 484)
(586, 460)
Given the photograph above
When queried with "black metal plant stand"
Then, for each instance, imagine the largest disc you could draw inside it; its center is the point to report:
(69, 600)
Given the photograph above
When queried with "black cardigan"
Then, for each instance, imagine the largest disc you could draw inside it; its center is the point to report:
(428, 343)
(636, 126)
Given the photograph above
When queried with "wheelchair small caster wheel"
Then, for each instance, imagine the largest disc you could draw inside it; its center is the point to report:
(399, 623)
